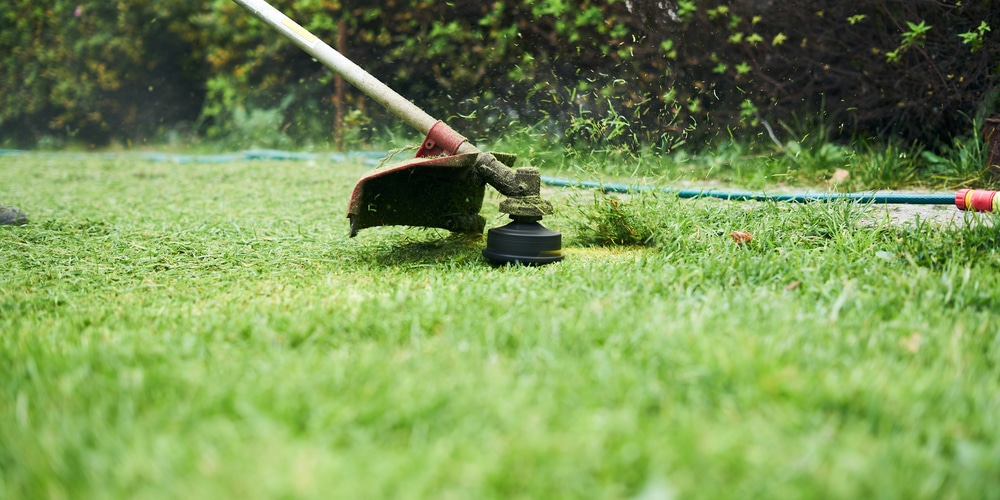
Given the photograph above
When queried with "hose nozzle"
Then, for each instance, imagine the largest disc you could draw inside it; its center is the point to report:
(977, 200)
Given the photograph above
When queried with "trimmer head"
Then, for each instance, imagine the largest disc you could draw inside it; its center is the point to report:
(523, 241)
(444, 192)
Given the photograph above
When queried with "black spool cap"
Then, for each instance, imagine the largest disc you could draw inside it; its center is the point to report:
(523, 242)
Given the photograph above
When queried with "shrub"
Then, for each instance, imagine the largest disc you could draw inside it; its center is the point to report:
(622, 74)
(97, 70)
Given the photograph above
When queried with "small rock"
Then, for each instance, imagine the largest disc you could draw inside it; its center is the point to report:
(12, 216)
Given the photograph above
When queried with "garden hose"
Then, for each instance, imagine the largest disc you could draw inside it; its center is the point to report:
(977, 200)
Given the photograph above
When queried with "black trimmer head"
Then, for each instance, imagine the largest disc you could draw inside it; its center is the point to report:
(523, 241)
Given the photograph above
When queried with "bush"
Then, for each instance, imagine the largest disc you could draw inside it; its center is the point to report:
(97, 70)
(917, 71)
(635, 74)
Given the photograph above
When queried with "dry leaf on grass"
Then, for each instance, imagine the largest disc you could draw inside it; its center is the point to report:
(741, 237)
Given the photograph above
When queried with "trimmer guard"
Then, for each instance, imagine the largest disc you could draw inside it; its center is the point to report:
(444, 192)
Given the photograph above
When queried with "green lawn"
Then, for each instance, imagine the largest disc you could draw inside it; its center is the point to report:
(209, 331)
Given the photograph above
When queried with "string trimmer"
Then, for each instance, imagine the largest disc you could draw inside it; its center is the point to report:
(444, 185)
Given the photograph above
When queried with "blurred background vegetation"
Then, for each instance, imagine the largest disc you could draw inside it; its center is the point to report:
(646, 75)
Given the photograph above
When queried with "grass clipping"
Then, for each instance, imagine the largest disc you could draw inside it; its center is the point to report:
(611, 220)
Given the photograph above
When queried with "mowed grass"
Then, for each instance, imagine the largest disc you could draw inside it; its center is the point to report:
(209, 331)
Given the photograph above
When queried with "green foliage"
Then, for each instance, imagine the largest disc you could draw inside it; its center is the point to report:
(913, 37)
(975, 38)
(964, 160)
(631, 75)
(96, 69)
(880, 165)
(900, 71)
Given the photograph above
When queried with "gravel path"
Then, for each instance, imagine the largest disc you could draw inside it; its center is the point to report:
(936, 214)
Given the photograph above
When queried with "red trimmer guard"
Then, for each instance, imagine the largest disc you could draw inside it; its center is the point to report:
(442, 192)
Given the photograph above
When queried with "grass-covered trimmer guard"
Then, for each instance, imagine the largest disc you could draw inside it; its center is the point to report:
(445, 184)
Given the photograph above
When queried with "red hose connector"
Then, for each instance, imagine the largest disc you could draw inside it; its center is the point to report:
(977, 200)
